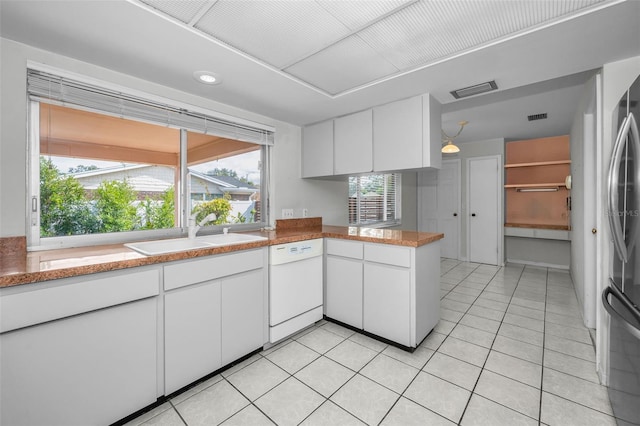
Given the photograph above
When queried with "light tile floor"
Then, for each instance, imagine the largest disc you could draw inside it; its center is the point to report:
(510, 349)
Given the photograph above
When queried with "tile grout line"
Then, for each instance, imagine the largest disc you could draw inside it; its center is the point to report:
(482, 369)
(544, 341)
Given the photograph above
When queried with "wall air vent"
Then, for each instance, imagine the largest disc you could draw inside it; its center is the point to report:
(475, 90)
(537, 116)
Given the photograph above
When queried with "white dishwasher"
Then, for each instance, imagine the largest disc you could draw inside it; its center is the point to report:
(295, 287)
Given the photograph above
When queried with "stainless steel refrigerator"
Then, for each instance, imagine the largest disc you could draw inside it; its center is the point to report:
(622, 297)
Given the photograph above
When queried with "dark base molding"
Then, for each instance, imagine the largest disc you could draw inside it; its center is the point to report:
(374, 336)
(164, 398)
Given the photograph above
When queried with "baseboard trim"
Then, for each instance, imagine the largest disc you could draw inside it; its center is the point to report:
(541, 264)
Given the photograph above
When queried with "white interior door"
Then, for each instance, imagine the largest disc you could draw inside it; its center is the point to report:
(485, 212)
(440, 206)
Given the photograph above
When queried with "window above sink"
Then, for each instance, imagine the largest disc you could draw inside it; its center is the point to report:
(108, 166)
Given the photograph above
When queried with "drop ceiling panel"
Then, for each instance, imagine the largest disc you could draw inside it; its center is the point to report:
(427, 31)
(276, 32)
(348, 63)
(181, 10)
(357, 14)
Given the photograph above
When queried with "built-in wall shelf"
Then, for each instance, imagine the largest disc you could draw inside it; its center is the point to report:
(537, 226)
(536, 194)
(536, 185)
(537, 163)
(547, 232)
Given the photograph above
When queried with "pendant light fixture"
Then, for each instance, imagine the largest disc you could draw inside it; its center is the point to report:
(449, 147)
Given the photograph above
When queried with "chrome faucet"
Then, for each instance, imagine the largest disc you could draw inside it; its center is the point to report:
(195, 227)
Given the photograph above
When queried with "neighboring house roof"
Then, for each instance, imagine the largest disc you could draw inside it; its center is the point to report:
(227, 181)
(151, 178)
(143, 178)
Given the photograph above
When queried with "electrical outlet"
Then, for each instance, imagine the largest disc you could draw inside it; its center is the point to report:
(305, 212)
(287, 213)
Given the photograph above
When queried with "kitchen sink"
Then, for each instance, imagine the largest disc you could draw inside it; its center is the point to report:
(151, 248)
(228, 239)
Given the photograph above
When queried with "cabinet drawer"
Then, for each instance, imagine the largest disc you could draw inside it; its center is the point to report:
(196, 271)
(67, 297)
(351, 249)
(389, 255)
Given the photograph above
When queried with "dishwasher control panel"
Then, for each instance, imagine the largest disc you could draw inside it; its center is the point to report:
(292, 252)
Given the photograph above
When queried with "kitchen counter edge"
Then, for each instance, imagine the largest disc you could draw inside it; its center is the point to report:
(38, 266)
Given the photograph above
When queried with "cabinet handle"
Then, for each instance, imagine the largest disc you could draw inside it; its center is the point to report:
(455, 214)
(594, 230)
(473, 214)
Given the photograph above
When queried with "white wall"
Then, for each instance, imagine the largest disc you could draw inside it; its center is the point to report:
(322, 198)
(409, 201)
(616, 79)
(326, 198)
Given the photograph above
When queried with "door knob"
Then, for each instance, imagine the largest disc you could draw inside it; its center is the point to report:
(455, 214)
(594, 230)
(473, 214)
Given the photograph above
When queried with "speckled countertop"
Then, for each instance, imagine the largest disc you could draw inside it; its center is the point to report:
(21, 267)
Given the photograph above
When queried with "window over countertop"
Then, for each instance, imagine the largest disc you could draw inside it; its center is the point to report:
(109, 166)
(374, 200)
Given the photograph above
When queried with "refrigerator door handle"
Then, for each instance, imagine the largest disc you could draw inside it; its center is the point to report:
(632, 218)
(635, 331)
(628, 128)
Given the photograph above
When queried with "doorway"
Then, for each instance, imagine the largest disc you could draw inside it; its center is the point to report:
(439, 202)
(484, 218)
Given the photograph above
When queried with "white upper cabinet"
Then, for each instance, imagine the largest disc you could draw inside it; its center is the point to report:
(406, 134)
(397, 135)
(353, 143)
(317, 150)
(401, 135)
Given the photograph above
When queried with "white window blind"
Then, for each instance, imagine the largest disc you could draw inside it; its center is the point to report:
(50, 88)
(374, 199)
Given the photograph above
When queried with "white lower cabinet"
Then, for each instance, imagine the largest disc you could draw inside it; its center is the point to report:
(192, 334)
(92, 350)
(214, 313)
(387, 302)
(243, 316)
(80, 368)
(390, 291)
(344, 290)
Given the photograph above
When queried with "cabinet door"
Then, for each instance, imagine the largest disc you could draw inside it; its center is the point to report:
(397, 135)
(344, 290)
(242, 315)
(387, 302)
(317, 150)
(192, 334)
(89, 369)
(353, 143)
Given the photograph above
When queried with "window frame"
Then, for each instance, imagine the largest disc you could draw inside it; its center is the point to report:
(35, 242)
(385, 223)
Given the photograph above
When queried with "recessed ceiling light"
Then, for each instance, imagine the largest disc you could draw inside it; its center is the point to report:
(207, 77)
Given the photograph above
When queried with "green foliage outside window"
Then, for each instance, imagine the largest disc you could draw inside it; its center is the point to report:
(66, 209)
(159, 213)
(114, 202)
(220, 206)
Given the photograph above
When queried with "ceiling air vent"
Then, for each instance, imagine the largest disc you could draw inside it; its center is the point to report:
(475, 90)
(537, 116)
